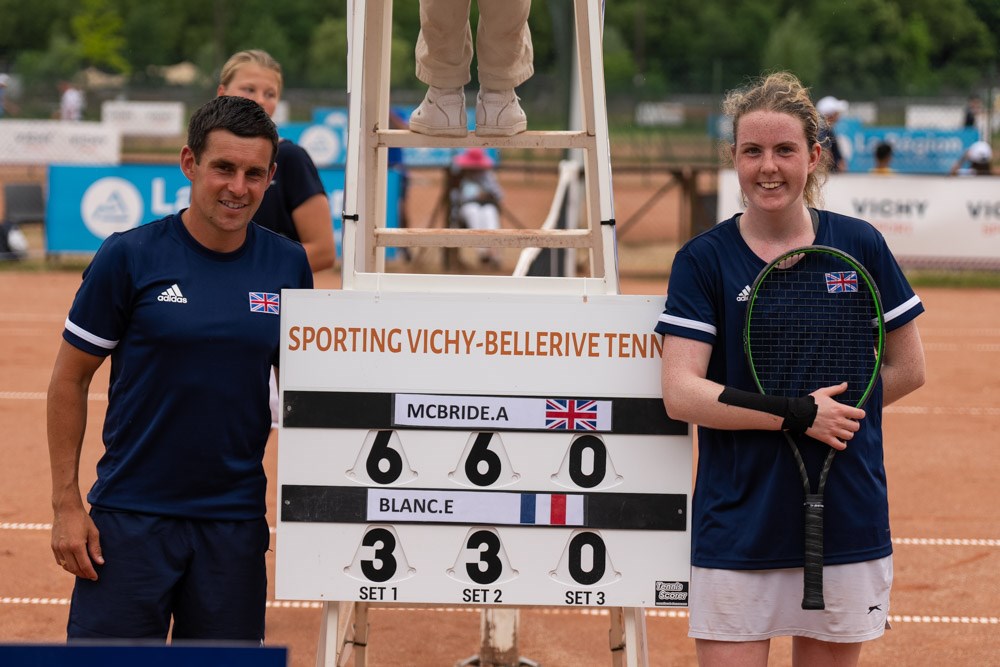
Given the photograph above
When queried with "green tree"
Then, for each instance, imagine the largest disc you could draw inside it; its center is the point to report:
(149, 49)
(98, 29)
(61, 60)
(861, 53)
(916, 75)
(963, 48)
(619, 68)
(794, 46)
(327, 62)
(29, 26)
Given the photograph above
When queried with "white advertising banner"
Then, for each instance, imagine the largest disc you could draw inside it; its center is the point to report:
(55, 141)
(479, 448)
(926, 220)
(145, 119)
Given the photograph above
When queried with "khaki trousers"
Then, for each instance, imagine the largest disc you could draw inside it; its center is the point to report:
(503, 43)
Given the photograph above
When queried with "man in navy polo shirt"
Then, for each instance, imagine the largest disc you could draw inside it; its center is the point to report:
(187, 308)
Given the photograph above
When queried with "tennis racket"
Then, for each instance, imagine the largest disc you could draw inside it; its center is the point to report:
(814, 319)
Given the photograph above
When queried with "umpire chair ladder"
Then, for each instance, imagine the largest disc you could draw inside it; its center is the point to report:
(344, 631)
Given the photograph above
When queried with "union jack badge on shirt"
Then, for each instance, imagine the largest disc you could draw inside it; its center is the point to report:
(265, 302)
(842, 281)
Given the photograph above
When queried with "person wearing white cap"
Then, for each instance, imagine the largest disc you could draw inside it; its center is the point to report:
(831, 109)
(979, 156)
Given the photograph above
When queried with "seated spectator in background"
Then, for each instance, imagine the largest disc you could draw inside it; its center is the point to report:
(476, 196)
(883, 159)
(979, 157)
(13, 242)
(973, 112)
(832, 109)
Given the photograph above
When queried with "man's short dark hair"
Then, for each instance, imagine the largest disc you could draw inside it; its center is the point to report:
(883, 150)
(239, 115)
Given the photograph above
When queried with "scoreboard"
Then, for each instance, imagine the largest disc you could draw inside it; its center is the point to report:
(507, 449)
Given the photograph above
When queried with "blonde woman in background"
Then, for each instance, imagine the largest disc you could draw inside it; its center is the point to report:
(296, 205)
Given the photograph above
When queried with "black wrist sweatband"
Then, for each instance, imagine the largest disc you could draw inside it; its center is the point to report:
(798, 414)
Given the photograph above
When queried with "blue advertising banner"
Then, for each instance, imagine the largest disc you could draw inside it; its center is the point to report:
(916, 151)
(88, 204)
(326, 144)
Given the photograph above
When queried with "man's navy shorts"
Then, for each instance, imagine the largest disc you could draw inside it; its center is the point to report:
(209, 577)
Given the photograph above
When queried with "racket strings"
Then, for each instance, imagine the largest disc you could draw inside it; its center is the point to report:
(812, 325)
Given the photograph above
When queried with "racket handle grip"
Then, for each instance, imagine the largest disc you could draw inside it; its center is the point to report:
(812, 594)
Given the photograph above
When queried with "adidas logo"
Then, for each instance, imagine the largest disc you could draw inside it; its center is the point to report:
(173, 295)
(742, 296)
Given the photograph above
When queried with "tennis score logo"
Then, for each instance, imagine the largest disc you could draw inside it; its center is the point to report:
(671, 594)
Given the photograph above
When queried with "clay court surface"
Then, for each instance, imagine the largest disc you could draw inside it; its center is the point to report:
(941, 456)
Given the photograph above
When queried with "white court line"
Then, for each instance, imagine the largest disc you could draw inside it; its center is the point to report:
(545, 611)
(910, 541)
(31, 317)
(23, 331)
(954, 347)
(958, 332)
(41, 396)
(950, 411)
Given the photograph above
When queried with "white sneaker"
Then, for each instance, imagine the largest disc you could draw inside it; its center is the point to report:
(441, 114)
(498, 114)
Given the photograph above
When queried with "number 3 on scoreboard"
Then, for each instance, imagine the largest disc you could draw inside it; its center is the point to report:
(379, 558)
(482, 560)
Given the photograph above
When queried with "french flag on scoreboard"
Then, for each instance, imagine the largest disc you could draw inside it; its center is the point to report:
(552, 509)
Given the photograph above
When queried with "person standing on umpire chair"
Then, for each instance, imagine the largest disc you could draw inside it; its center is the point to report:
(747, 556)
(187, 308)
(444, 53)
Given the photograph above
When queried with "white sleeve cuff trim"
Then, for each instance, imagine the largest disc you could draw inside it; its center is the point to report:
(899, 310)
(89, 337)
(687, 324)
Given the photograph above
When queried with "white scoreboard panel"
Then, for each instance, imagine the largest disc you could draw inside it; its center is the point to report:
(479, 448)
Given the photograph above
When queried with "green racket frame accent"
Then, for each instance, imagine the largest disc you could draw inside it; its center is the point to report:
(863, 275)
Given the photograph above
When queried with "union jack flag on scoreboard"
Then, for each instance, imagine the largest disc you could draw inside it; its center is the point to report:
(264, 302)
(842, 281)
(568, 414)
